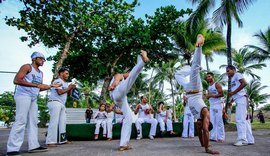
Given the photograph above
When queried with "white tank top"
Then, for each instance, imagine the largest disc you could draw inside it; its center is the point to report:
(141, 113)
(162, 114)
(33, 76)
(214, 101)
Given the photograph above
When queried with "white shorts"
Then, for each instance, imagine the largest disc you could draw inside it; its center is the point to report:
(196, 104)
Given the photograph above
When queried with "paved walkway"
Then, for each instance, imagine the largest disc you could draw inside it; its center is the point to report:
(160, 146)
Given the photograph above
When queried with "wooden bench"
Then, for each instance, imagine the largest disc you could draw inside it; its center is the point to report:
(86, 131)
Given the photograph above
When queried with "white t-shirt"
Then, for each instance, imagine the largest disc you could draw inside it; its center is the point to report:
(100, 115)
(55, 96)
(110, 115)
(169, 114)
(236, 83)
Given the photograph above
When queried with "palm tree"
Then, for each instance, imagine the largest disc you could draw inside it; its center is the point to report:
(223, 15)
(87, 91)
(264, 39)
(246, 61)
(184, 45)
(166, 73)
(214, 42)
(139, 87)
(255, 97)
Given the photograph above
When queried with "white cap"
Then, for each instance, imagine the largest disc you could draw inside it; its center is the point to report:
(37, 54)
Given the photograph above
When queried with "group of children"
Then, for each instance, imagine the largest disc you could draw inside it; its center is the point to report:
(105, 115)
(104, 118)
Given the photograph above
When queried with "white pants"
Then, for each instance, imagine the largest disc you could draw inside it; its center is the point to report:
(26, 116)
(162, 124)
(218, 132)
(102, 123)
(153, 123)
(188, 125)
(109, 128)
(195, 101)
(244, 131)
(119, 96)
(195, 104)
(57, 126)
(250, 137)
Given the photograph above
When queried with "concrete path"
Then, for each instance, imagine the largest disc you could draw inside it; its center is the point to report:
(159, 147)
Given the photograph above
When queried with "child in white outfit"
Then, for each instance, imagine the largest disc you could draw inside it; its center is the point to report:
(101, 120)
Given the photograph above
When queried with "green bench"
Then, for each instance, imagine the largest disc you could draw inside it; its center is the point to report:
(86, 131)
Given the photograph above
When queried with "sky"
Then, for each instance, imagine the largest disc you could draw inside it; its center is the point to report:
(14, 53)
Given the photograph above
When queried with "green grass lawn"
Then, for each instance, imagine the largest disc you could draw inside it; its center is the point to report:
(254, 125)
(258, 125)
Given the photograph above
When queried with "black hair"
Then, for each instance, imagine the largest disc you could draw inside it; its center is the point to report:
(231, 67)
(63, 69)
(210, 73)
(161, 102)
(142, 97)
(101, 105)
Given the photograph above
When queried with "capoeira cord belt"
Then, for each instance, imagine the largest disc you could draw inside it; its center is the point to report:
(193, 91)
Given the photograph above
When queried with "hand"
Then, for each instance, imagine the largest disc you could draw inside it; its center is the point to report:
(231, 93)
(110, 88)
(147, 111)
(165, 120)
(43, 86)
(208, 96)
(56, 85)
(71, 86)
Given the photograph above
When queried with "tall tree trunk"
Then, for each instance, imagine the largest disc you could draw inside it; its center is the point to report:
(107, 80)
(87, 100)
(252, 112)
(207, 63)
(229, 62)
(150, 93)
(150, 87)
(174, 114)
(104, 89)
(63, 56)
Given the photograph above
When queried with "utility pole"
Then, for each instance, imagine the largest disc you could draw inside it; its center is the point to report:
(7, 72)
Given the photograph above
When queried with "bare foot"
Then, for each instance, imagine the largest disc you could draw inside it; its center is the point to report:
(220, 141)
(200, 40)
(209, 145)
(212, 151)
(96, 137)
(123, 148)
(144, 56)
(109, 139)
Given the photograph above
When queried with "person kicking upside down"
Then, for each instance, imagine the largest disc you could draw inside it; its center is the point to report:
(193, 89)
